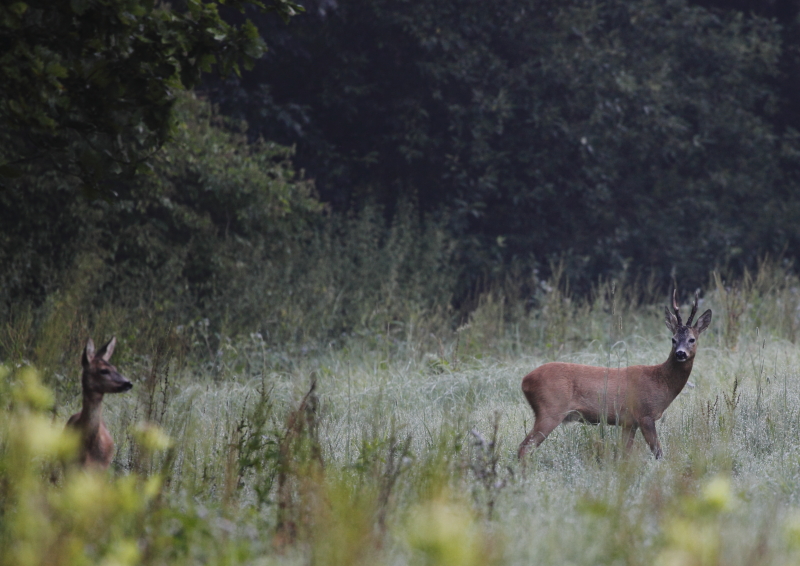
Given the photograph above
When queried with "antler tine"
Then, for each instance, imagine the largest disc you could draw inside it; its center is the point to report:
(675, 306)
(694, 308)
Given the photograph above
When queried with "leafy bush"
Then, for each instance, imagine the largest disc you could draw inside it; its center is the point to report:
(89, 87)
(212, 205)
(222, 230)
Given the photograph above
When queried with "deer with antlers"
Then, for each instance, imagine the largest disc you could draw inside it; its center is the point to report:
(634, 397)
(99, 377)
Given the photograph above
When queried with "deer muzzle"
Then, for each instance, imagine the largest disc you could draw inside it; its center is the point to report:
(121, 384)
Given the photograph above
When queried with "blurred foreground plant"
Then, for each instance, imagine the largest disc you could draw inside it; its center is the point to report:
(446, 532)
(693, 534)
(90, 518)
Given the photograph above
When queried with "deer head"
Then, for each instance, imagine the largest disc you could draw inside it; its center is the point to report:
(99, 376)
(684, 336)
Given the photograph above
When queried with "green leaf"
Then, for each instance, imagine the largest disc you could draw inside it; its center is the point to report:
(206, 61)
(57, 70)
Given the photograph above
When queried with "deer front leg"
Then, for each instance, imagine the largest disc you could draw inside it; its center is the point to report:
(651, 436)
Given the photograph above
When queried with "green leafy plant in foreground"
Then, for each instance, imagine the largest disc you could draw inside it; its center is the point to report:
(84, 518)
(89, 87)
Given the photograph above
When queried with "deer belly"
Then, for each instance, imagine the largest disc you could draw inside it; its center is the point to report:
(596, 417)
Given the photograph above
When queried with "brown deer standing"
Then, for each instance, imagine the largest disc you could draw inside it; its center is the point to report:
(632, 397)
(99, 377)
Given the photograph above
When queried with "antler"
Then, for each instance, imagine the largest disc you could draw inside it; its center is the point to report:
(694, 309)
(675, 306)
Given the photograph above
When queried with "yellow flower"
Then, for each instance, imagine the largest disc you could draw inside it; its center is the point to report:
(123, 553)
(29, 391)
(38, 437)
(446, 534)
(85, 497)
(151, 437)
(792, 530)
(718, 494)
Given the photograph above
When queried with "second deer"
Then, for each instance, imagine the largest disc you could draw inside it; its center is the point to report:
(99, 377)
(633, 397)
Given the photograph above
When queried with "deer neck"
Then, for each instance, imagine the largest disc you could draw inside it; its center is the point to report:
(92, 411)
(675, 374)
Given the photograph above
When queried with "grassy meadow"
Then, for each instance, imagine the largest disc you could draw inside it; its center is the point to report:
(404, 452)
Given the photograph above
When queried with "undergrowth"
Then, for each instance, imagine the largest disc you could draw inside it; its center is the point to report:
(396, 443)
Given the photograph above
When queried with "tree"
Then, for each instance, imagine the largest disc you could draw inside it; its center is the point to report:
(212, 209)
(88, 86)
(621, 135)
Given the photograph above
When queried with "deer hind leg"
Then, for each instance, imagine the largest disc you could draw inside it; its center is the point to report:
(542, 427)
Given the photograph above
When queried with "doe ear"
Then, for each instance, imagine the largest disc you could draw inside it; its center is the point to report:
(703, 322)
(672, 322)
(88, 353)
(106, 351)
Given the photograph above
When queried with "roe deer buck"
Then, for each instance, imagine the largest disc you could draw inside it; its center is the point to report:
(632, 397)
(99, 377)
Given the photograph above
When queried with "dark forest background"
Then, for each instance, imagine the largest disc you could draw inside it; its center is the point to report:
(338, 164)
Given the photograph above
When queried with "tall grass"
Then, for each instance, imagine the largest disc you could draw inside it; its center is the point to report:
(404, 451)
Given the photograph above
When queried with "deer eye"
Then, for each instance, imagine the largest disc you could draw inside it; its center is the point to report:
(691, 340)
(104, 372)
(674, 341)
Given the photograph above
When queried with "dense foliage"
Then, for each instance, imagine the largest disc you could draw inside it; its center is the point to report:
(211, 205)
(436, 151)
(222, 230)
(620, 135)
(88, 87)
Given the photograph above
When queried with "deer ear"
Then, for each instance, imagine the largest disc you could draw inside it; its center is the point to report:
(106, 351)
(672, 322)
(88, 353)
(703, 322)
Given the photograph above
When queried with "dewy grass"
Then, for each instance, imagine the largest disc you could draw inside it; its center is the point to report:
(408, 453)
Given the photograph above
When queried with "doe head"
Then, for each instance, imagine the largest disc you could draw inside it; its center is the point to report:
(684, 336)
(99, 376)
